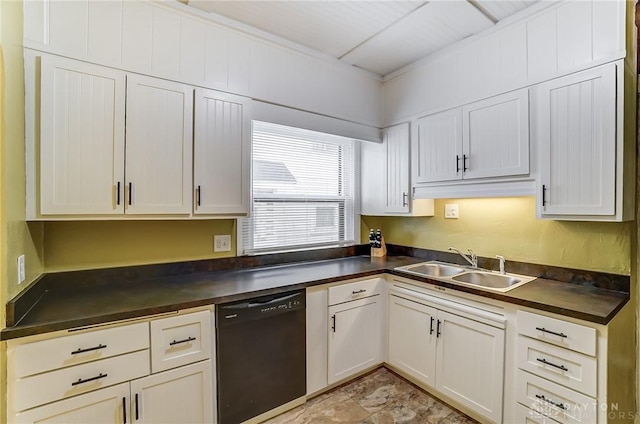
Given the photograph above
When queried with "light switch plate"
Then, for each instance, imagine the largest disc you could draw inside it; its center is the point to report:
(451, 211)
(222, 243)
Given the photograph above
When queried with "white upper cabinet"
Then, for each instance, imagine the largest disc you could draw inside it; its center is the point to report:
(496, 136)
(485, 139)
(82, 138)
(386, 176)
(438, 149)
(159, 146)
(221, 153)
(576, 126)
(398, 185)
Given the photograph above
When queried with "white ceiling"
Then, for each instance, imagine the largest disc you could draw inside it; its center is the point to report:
(380, 36)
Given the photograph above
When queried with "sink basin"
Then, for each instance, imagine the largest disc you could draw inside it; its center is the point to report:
(433, 269)
(492, 281)
(456, 274)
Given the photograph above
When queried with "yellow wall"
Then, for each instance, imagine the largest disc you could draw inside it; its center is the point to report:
(508, 227)
(16, 236)
(85, 245)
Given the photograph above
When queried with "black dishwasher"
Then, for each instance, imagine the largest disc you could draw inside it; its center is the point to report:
(261, 355)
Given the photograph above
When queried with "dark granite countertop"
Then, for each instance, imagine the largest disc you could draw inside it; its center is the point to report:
(79, 305)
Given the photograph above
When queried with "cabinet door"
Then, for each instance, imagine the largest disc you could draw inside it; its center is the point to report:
(412, 338)
(159, 146)
(181, 395)
(439, 147)
(496, 136)
(575, 120)
(372, 177)
(81, 138)
(221, 153)
(104, 406)
(396, 139)
(470, 364)
(354, 337)
(317, 343)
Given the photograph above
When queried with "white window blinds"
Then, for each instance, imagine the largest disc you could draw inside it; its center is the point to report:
(302, 191)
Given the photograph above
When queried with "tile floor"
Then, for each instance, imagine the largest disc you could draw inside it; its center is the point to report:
(380, 397)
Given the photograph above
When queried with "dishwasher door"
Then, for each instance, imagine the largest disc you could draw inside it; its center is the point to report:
(261, 355)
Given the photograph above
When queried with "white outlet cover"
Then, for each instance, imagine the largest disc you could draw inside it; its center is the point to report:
(222, 243)
(21, 271)
(451, 211)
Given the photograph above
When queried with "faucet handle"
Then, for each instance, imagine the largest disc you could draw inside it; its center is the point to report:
(502, 261)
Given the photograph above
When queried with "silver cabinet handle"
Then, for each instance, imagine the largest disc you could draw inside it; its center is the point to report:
(404, 199)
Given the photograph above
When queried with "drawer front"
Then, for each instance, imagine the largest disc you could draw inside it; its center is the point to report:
(557, 402)
(60, 384)
(353, 291)
(566, 367)
(524, 415)
(180, 340)
(562, 333)
(79, 348)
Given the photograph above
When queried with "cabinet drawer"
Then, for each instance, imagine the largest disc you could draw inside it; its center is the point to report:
(566, 367)
(562, 333)
(79, 348)
(557, 402)
(524, 415)
(60, 384)
(356, 290)
(180, 340)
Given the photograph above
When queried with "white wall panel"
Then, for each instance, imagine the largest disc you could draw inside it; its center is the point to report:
(240, 52)
(165, 57)
(608, 29)
(193, 37)
(574, 34)
(36, 22)
(513, 56)
(216, 65)
(542, 49)
(68, 27)
(137, 23)
(105, 32)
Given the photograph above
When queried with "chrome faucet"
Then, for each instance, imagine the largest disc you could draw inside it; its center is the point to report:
(472, 258)
(502, 261)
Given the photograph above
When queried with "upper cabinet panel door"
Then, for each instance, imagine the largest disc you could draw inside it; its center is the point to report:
(575, 120)
(221, 152)
(82, 138)
(496, 136)
(439, 147)
(396, 139)
(159, 146)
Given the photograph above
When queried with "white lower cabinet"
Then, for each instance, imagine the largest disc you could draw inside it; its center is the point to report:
(460, 357)
(181, 395)
(104, 376)
(355, 322)
(104, 406)
(354, 338)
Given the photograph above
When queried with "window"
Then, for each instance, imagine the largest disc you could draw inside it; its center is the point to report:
(303, 190)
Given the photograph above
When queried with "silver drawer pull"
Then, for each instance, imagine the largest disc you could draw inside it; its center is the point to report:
(358, 291)
(549, 401)
(80, 381)
(551, 332)
(544, 361)
(89, 349)
(187, 340)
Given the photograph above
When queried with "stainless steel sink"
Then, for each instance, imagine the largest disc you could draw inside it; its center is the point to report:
(456, 274)
(494, 281)
(433, 269)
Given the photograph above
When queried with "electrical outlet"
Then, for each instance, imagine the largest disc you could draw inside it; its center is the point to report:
(21, 272)
(451, 211)
(222, 243)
